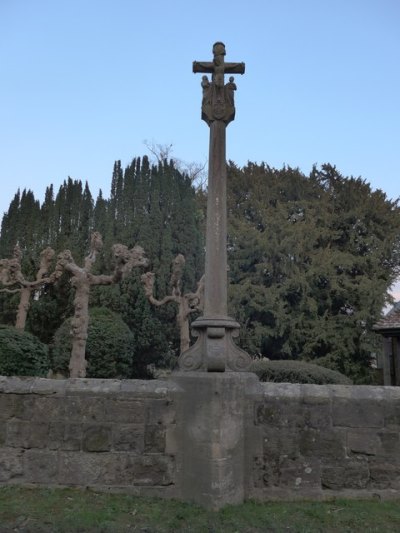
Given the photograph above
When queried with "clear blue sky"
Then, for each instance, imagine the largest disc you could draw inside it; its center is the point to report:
(85, 82)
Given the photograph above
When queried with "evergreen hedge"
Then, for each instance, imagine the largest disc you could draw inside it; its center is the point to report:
(296, 372)
(109, 347)
(22, 354)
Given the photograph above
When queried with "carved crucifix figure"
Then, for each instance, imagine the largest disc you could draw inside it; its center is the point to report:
(217, 97)
(215, 350)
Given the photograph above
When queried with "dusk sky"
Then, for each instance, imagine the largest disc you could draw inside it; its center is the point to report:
(86, 82)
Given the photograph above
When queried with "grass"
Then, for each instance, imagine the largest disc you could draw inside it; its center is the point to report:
(69, 510)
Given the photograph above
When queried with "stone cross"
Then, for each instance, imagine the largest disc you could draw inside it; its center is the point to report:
(214, 350)
(218, 101)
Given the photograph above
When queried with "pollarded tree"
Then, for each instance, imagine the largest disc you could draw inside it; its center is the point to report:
(188, 303)
(13, 280)
(82, 280)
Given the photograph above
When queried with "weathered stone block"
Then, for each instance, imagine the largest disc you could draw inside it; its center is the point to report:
(362, 441)
(128, 438)
(389, 444)
(97, 438)
(280, 442)
(40, 466)
(299, 473)
(287, 472)
(392, 415)
(2, 432)
(324, 444)
(10, 464)
(65, 436)
(124, 411)
(384, 476)
(150, 470)
(11, 405)
(357, 413)
(84, 409)
(265, 472)
(318, 415)
(83, 469)
(24, 434)
(350, 474)
(160, 411)
(154, 439)
(279, 413)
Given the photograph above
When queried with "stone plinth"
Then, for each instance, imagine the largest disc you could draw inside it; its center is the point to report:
(211, 432)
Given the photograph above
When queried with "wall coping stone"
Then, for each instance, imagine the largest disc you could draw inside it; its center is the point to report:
(86, 386)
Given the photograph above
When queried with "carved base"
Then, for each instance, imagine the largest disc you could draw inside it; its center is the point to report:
(214, 350)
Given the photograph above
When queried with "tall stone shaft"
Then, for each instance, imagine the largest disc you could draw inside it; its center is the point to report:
(214, 350)
(215, 296)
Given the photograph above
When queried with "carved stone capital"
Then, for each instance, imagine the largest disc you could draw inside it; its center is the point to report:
(214, 350)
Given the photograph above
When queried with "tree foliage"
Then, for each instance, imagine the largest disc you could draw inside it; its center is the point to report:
(311, 257)
(311, 260)
(296, 372)
(22, 354)
(109, 347)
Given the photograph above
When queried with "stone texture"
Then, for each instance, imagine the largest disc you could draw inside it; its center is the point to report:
(363, 441)
(350, 474)
(10, 464)
(128, 438)
(358, 413)
(212, 438)
(40, 466)
(97, 439)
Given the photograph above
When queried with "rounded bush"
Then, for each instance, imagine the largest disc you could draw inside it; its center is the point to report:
(109, 346)
(22, 354)
(296, 372)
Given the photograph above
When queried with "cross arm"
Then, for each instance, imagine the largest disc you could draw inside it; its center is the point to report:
(229, 68)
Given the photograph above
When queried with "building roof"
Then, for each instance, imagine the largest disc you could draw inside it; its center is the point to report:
(390, 322)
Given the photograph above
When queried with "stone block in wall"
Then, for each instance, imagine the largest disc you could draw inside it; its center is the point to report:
(160, 411)
(354, 412)
(326, 444)
(84, 409)
(363, 442)
(279, 413)
(300, 473)
(10, 464)
(128, 438)
(148, 470)
(40, 408)
(40, 466)
(12, 406)
(389, 444)
(124, 411)
(97, 438)
(24, 434)
(349, 474)
(392, 415)
(2, 432)
(318, 415)
(65, 436)
(384, 475)
(87, 469)
(280, 442)
(154, 439)
(289, 473)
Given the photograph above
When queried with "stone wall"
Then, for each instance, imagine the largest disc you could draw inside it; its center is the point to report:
(312, 441)
(97, 433)
(205, 437)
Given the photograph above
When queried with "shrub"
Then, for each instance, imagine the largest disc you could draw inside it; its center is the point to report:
(22, 354)
(109, 346)
(296, 372)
